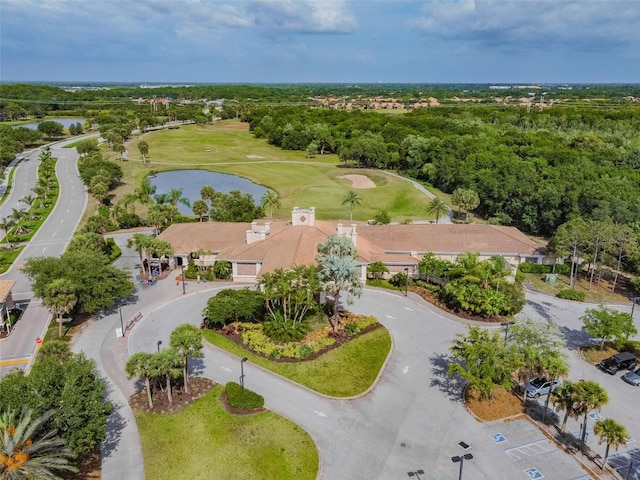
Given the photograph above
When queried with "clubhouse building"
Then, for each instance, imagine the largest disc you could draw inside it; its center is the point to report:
(256, 248)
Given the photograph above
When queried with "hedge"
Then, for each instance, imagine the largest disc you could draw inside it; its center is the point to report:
(569, 294)
(561, 268)
(245, 399)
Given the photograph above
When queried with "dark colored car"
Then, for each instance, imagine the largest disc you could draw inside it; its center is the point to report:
(632, 378)
(619, 361)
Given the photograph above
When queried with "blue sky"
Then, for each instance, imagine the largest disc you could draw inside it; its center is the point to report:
(291, 41)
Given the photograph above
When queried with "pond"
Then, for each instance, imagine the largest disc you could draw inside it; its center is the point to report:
(192, 181)
(64, 121)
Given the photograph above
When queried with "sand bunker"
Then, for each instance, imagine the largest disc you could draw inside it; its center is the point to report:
(359, 181)
(253, 156)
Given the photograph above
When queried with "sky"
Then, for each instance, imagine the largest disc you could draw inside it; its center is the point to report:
(320, 41)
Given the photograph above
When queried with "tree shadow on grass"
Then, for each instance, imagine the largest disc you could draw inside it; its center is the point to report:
(451, 385)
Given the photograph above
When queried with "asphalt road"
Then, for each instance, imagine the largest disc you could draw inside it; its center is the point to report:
(50, 240)
(412, 419)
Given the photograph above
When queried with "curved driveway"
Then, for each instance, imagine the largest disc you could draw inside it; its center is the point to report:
(412, 419)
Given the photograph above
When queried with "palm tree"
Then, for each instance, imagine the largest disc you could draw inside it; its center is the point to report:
(6, 224)
(272, 200)
(145, 192)
(28, 200)
(60, 297)
(16, 214)
(565, 398)
(592, 396)
(175, 196)
(352, 199)
(556, 367)
(437, 208)
(141, 365)
(26, 453)
(207, 193)
(186, 339)
(167, 363)
(612, 433)
(143, 147)
(200, 208)
(141, 243)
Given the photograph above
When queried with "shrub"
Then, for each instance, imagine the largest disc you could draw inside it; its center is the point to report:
(222, 270)
(399, 280)
(561, 269)
(520, 276)
(245, 399)
(376, 270)
(569, 294)
(351, 328)
(382, 217)
(285, 332)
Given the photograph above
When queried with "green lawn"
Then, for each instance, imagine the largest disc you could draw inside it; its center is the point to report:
(300, 181)
(342, 372)
(204, 442)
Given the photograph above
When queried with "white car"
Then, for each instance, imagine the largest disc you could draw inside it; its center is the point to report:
(541, 386)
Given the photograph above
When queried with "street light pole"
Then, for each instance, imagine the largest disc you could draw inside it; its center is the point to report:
(183, 289)
(417, 473)
(406, 282)
(506, 329)
(633, 305)
(460, 459)
(158, 343)
(121, 324)
(242, 372)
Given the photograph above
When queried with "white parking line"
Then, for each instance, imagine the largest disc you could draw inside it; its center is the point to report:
(533, 449)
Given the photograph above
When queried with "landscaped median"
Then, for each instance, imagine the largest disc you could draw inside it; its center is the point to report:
(261, 446)
(346, 371)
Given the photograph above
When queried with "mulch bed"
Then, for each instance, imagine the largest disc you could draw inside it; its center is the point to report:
(341, 338)
(433, 300)
(198, 386)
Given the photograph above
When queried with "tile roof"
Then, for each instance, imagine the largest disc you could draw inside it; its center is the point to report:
(5, 288)
(287, 246)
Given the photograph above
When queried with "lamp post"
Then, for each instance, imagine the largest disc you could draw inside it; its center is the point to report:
(506, 326)
(633, 305)
(242, 372)
(417, 473)
(121, 324)
(406, 282)
(460, 459)
(158, 343)
(182, 266)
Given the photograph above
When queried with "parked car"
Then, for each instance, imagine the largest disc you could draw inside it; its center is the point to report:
(632, 377)
(541, 386)
(619, 361)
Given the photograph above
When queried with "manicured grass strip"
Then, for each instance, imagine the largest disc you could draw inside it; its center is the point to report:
(8, 257)
(9, 185)
(343, 372)
(204, 441)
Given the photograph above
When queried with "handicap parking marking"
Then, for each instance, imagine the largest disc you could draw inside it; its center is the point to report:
(533, 473)
(630, 439)
(596, 416)
(533, 449)
(498, 438)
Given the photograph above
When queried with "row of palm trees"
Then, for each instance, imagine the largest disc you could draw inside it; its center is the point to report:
(578, 399)
(436, 207)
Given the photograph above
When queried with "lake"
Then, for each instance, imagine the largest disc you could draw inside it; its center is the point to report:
(65, 122)
(192, 181)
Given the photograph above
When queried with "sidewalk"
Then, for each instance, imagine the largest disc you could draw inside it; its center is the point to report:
(122, 452)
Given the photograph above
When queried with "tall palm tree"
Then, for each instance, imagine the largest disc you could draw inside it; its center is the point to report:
(145, 192)
(592, 396)
(565, 398)
(352, 199)
(200, 208)
(166, 363)
(271, 200)
(186, 339)
(27, 453)
(612, 433)
(438, 208)
(60, 297)
(207, 193)
(556, 367)
(175, 197)
(141, 365)
(143, 147)
(6, 224)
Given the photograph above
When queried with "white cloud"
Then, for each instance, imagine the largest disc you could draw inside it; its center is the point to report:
(533, 24)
